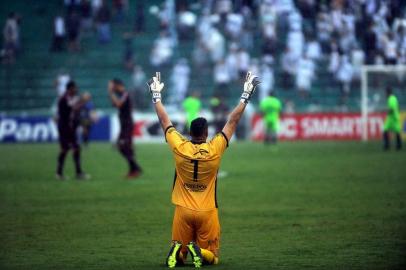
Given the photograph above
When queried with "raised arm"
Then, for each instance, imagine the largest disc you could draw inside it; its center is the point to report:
(117, 102)
(251, 82)
(162, 115)
(233, 120)
(155, 87)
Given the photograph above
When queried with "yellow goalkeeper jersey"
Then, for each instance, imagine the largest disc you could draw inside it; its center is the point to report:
(196, 167)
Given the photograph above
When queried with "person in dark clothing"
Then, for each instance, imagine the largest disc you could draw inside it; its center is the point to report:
(73, 31)
(69, 106)
(121, 100)
(370, 45)
(103, 18)
(86, 118)
(139, 17)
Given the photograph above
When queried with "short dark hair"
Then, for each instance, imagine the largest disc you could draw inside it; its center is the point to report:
(198, 127)
(118, 82)
(70, 85)
(389, 90)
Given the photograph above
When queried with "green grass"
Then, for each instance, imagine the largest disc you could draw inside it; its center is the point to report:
(308, 205)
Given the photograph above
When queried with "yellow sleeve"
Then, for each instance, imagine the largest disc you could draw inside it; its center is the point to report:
(173, 137)
(219, 143)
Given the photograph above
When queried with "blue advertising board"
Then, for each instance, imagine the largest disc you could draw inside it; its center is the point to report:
(14, 129)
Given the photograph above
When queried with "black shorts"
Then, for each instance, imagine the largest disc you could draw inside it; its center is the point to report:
(68, 138)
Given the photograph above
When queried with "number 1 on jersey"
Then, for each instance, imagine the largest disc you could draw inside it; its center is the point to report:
(195, 168)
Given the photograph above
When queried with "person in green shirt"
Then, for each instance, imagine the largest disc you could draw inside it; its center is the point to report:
(271, 108)
(192, 106)
(392, 121)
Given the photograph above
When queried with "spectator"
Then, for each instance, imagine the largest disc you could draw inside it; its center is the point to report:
(304, 76)
(344, 76)
(357, 61)
(268, 47)
(96, 5)
(246, 40)
(180, 80)
(186, 24)
(103, 18)
(73, 31)
(334, 61)
(324, 30)
(234, 25)
(128, 54)
(120, 7)
(401, 40)
(295, 42)
(86, 15)
(59, 34)
(347, 40)
(313, 49)
(162, 50)
(254, 66)
(232, 62)
(200, 55)
(11, 36)
(221, 79)
(267, 79)
(390, 50)
(223, 7)
(243, 62)
(139, 17)
(289, 61)
(139, 95)
(215, 43)
(71, 6)
(370, 44)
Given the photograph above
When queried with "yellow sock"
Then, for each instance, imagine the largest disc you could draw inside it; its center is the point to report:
(209, 256)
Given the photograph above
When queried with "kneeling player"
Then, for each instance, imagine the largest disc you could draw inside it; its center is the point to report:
(196, 227)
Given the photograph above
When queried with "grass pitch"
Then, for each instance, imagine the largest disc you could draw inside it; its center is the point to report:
(307, 205)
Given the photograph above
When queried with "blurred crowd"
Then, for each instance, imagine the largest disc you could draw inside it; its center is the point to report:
(294, 36)
(285, 42)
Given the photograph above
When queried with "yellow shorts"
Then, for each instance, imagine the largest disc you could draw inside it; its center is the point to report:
(203, 227)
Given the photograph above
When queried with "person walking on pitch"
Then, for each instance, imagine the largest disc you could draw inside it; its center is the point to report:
(392, 121)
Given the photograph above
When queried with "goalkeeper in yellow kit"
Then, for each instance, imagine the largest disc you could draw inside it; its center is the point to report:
(196, 227)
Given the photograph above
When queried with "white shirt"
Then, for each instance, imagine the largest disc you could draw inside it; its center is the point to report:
(221, 74)
(59, 24)
(296, 42)
(61, 82)
(267, 81)
(313, 50)
(305, 73)
(243, 61)
(289, 62)
(345, 71)
(232, 65)
(390, 49)
(234, 24)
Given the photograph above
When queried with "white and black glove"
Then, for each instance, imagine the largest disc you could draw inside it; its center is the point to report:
(251, 82)
(155, 87)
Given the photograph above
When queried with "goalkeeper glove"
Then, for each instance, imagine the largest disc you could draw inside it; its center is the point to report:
(251, 82)
(155, 87)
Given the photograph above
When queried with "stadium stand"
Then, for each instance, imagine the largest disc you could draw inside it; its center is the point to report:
(28, 83)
